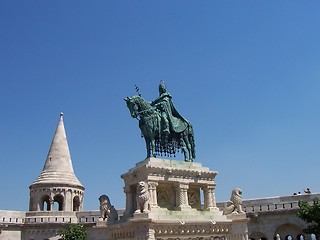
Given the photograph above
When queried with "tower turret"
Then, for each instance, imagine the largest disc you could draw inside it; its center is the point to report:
(57, 183)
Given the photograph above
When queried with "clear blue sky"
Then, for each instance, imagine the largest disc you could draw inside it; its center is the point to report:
(245, 73)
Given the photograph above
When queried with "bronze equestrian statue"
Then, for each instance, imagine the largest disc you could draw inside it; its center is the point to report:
(164, 129)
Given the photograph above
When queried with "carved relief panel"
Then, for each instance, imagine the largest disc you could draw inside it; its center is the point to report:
(194, 197)
(166, 196)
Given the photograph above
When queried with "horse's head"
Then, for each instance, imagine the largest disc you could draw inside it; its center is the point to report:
(139, 107)
(132, 105)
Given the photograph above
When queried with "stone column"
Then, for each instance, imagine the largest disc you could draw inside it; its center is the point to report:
(182, 196)
(38, 207)
(51, 203)
(81, 202)
(153, 194)
(209, 197)
(129, 204)
(68, 199)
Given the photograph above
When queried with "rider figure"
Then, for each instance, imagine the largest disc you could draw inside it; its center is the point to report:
(163, 104)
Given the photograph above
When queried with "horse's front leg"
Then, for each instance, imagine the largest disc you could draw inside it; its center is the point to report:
(184, 149)
(147, 146)
(153, 147)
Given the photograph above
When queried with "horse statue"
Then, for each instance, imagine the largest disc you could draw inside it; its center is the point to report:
(159, 140)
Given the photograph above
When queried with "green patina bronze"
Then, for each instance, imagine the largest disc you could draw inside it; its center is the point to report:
(164, 129)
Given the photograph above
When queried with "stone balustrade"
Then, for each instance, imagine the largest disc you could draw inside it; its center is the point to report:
(16, 217)
(50, 217)
(88, 217)
(249, 206)
(12, 217)
(277, 203)
(274, 203)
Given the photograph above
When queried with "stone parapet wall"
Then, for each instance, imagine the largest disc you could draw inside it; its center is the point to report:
(275, 215)
(12, 217)
(88, 217)
(18, 218)
(50, 217)
(283, 203)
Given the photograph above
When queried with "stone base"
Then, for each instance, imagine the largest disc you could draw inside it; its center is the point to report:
(101, 224)
(176, 210)
(236, 216)
(142, 215)
(173, 185)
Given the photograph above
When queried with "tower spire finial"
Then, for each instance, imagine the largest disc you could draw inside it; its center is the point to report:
(58, 162)
(57, 173)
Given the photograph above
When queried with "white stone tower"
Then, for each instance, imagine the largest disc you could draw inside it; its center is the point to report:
(57, 188)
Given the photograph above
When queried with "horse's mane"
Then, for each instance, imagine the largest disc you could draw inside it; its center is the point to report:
(143, 103)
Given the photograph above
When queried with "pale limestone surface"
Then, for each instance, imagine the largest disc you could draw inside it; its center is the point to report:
(234, 205)
(58, 166)
(172, 184)
(142, 198)
(175, 189)
(268, 217)
(57, 183)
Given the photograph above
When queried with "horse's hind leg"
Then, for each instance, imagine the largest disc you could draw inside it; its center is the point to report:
(187, 143)
(184, 149)
(153, 147)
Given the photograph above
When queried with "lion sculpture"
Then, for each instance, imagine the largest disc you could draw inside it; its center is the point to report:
(142, 198)
(234, 205)
(107, 211)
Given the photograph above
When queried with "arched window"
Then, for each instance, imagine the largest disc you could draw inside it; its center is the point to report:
(313, 237)
(76, 203)
(45, 203)
(58, 199)
(288, 231)
(289, 237)
(300, 237)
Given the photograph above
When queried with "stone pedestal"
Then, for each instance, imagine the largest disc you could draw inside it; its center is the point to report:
(172, 185)
(173, 191)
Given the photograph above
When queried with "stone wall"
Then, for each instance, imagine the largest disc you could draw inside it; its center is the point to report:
(275, 215)
(268, 217)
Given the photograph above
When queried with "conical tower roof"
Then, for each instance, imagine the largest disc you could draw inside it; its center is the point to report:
(58, 168)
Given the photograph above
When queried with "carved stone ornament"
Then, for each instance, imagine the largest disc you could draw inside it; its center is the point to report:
(142, 198)
(107, 211)
(163, 198)
(234, 205)
(194, 199)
